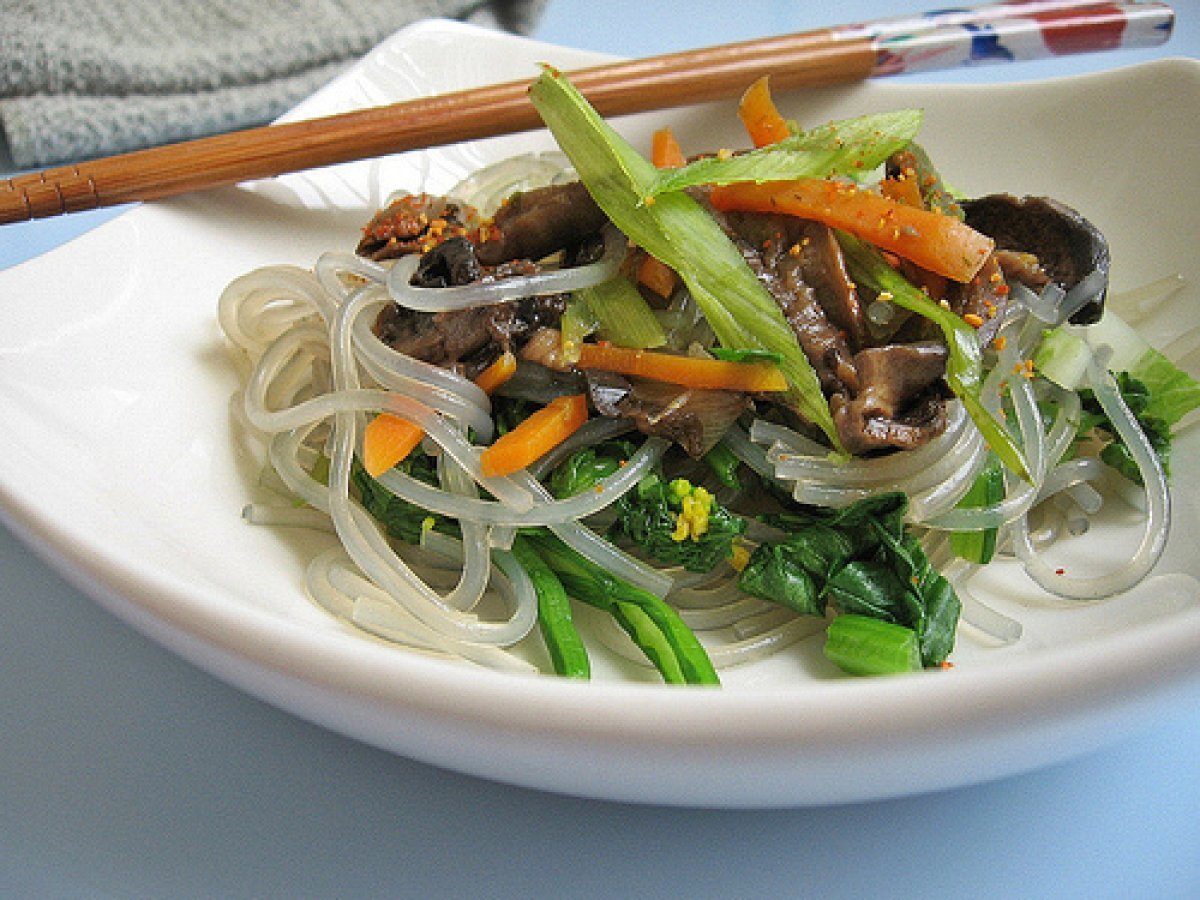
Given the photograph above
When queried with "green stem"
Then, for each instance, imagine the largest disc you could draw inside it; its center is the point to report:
(567, 652)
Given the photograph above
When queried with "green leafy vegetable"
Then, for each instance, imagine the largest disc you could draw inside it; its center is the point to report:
(1095, 421)
(583, 469)
(623, 314)
(739, 355)
(676, 230)
(400, 519)
(1157, 392)
(987, 489)
(567, 652)
(653, 625)
(934, 193)
(861, 560)
(850, 147)
(724, 463)
(677, 523)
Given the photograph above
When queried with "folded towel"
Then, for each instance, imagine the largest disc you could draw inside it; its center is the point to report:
(80, 80)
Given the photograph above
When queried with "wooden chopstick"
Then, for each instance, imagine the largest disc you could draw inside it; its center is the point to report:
(813, 58)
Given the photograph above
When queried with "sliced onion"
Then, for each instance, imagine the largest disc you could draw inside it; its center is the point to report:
(488, 293)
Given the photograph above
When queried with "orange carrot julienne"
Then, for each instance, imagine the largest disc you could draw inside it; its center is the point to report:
(940, 243)
(497, 373)
(761, 119)
(658, 276)
(665, 151)
(692, 371)
(388, 439)
(540, 433)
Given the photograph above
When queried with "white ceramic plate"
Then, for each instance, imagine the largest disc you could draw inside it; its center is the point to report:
(120, 465)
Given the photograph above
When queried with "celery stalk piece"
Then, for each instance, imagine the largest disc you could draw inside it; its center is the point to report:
(861, 645)
(850, 147)
(624, 316)
(964, 368)
(678, 231)
(988, 488)
(578, 321)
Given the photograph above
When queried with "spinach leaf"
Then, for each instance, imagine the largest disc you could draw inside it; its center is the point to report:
(861, 560)
(401, 519)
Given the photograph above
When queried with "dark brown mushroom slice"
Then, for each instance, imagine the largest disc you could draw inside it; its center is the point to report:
(452, 262)
(471, 337)
(899, 405)
(985, 297)
(862, 431)
(803, 282)
(534, 224)
(1068, 247)
(893, 375)
(693, 418)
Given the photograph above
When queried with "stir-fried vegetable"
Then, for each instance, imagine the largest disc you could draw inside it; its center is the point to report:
(567, 652)
(850, 148)
(987, 490)
(937, 242)
(1156, 391)
(964, 369)
(692, 371)
(536, 436)
(762, 120)
(622, 316)
(665, 151)
(675, 229)
(862, 645)
(677, 523)
(861, 560)
(653, 625)
(785, 264)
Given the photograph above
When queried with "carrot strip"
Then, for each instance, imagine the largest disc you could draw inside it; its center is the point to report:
(388, 439)
(902, 190)
(665, 151)
(657, 276)
(761, 119)
(940, 243)
(540, 433)
(698, 372)
(497, 373)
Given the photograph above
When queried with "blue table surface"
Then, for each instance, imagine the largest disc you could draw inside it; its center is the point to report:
(125, 772)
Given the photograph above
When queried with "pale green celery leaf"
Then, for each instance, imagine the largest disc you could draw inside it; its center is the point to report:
(851, 147)
(1173, 392)
(624, 316)
(677, 230)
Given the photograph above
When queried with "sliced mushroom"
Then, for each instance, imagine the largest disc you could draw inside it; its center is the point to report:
(899, 403)
(1069, 248)
(534, 224)
(693, 418)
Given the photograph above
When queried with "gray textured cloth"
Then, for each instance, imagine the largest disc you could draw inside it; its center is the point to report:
(80, 80)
